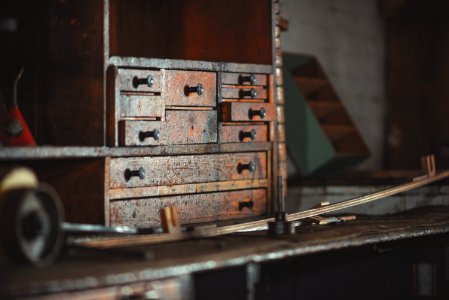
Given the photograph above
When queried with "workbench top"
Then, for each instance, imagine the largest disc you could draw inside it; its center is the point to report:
(82, 269)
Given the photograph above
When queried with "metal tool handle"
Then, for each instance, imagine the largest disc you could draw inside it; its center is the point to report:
(262, 113)
(155, 134)
(251, 79)
(248, 93)
(251, 167)
(248, 204)
(149, 81)
(195, 89)
(134, 173)
(247, 134)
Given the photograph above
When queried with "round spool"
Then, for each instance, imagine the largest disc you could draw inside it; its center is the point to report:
(30, 224)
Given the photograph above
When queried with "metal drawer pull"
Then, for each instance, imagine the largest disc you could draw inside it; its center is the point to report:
(251, 79)
(134, 173)
(195, 89)
(248, 93)
(248, 204)
(149, 81)
(251, 167)
(262, 113)
(155, 134)
(248, 134)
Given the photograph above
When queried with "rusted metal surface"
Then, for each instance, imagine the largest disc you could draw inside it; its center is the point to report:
(75, 273)
(137, 105)
(177, 84)
(243, 79)
(243, 133)
(127, 79)
(243, 92)
(179, 127)
(186, 169)
(246, 111)
(190, 188)
(192, 208)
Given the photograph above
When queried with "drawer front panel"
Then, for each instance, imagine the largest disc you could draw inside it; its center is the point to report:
(141, 106)
(244, 111)
(244, 79)
(180, 88)
(179, 128)
(245, 133)
(243, 92)
(138, 80)
(192, 208)
(174, 170)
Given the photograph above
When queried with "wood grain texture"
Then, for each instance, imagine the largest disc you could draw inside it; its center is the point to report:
(190, 188)
(138, 105)
(172, 170)
(192, 208)
(126, 80)
(179, 128)
(242, 111)
(236, 133)
(238, 92)
(235, 79)
(176, 85)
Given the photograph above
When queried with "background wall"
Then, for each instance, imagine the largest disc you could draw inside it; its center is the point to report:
(347, 37)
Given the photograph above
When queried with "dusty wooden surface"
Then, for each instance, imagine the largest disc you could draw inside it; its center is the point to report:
(240, 92)
(76, 272)
(246, 111)
(241, 78)
(242, 133)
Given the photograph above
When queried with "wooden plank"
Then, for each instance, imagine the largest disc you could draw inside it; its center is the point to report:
(177, 84)
(193, 208)
(243, 133)
(242, 79)
(138, 105)
(191, 188)
(168, 170)
(246, 111)
(180, 127)
(243, 92)
(135, 80)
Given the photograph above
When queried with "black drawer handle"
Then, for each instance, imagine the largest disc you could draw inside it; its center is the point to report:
(149, 81)
(262, 113)
(195, 89)
(251, 79)
(248, 93)
(247, 134)
(251, 167)
(134, 173)
(155, 134)
(248, 204)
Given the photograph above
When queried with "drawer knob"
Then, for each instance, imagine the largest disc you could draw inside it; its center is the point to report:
(155, 134)
(195, 89)
(149, 81)
(248, 204)
(134, 173)
(251, 79)
(248, 93)
(247, 134)
(262, 113)
(251, 167)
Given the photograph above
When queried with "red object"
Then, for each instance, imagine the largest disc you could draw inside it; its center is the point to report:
(14, 130)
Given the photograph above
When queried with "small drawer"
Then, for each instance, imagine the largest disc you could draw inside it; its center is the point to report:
(245, 133)
(244, 79)
(192, 208)
(183, 169)
(140, 80)
(245, 111)
(179, 128)
(242, 92)
(138, 105)
(190, 88)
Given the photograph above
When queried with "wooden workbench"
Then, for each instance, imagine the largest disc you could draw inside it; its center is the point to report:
(79, 270)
